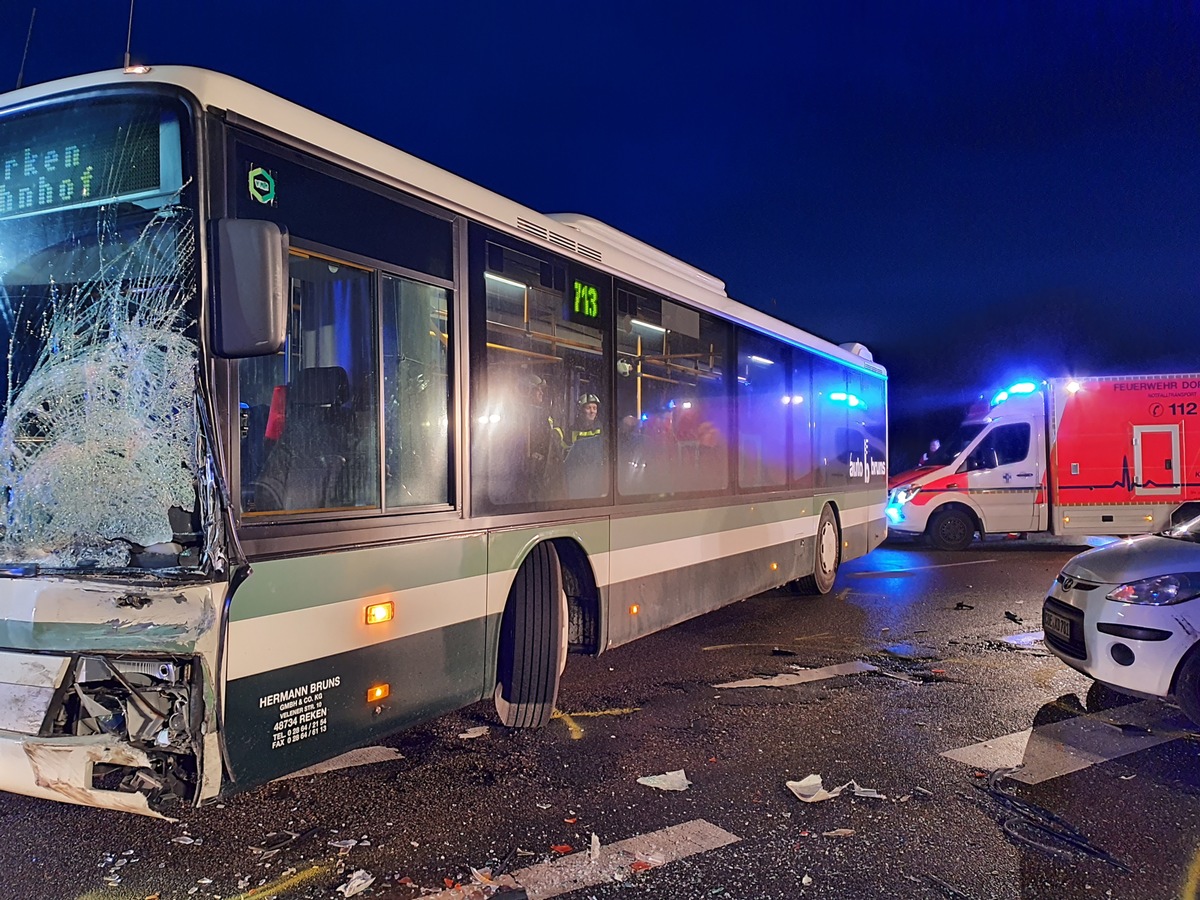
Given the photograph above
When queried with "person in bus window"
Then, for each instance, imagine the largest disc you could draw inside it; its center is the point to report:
(586, 465)
(544, 444)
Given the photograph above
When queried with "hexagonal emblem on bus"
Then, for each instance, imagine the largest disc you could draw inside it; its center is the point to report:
(262, 185)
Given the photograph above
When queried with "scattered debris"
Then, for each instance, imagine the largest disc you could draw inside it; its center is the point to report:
(961, 605)
(787, 679)
(1037, 827)
(359, 881)
(911, 651)
(1013, 617)
(671, 781)
(344, 846)
(594, 850)
(812, 790)
(476, 732)
(899, 677)
(562, 848)
(806, 880)
(924, 792)
(838, 832)
(780, 651)
(948, 889)
(184, 839)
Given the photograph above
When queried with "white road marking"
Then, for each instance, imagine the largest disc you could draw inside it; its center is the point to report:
(971, 562)
(364, 756)
(789, 678)
(578, 870)
(1060, 748)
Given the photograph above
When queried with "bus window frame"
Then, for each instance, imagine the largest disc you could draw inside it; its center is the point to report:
(314, 531)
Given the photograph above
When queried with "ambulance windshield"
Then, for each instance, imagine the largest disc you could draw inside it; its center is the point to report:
(953, 445)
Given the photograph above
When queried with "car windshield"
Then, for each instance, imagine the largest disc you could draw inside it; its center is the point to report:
(98, 427)
(953, 445)
(1187, 531)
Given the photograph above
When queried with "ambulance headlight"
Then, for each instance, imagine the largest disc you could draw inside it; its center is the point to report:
(1162, 590)
(905, 494)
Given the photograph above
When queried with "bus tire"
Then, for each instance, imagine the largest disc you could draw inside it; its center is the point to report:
(951, 529)
(531, 652)
(826, 556)
(1187, 686)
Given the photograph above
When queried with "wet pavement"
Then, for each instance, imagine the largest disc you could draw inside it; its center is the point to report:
(915, 679)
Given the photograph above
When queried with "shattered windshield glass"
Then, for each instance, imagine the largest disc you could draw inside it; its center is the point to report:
(98, 443)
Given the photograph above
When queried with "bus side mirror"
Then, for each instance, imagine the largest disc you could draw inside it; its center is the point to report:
(250, 308)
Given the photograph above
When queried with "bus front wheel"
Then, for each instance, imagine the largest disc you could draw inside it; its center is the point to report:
(532, 646)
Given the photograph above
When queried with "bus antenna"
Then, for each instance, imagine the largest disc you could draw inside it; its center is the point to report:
(129, 35)
(25, 55)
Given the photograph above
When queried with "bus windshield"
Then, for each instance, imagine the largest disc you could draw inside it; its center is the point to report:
(98, 435)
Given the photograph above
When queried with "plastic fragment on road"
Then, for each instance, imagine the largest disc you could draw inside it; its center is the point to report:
(477, 732)
(184, 839)
(670, 781)
(594, 849)
(787, 679)
(961, 605)
(344, 846)
(838, 832)
(806, 880)
(359, 881)
(562, 848)
(1013, 617)
(812, 790)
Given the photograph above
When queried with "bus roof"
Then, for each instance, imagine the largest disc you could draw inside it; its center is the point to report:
(593, 241)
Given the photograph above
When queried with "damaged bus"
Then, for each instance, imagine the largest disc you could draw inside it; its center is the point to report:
(305, 440)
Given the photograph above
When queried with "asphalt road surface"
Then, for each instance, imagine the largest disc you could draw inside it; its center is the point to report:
(927, 678)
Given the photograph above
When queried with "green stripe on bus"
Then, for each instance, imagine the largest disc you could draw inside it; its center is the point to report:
(507, 548)
(283, 585)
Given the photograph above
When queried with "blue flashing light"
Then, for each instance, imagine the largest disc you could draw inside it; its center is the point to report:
(645, 417)
(837, 395)
(1021, 387)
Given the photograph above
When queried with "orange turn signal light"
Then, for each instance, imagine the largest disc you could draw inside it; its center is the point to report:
(381, 612)
(634, 610)
(378, 692)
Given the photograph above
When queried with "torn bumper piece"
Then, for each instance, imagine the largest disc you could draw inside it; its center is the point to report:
(61, 768)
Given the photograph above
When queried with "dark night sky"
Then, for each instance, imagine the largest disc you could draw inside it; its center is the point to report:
(974, 190)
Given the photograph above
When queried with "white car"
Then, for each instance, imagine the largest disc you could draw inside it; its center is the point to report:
(1128, 615)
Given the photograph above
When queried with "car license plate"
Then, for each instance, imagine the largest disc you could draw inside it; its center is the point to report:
(1059, 626)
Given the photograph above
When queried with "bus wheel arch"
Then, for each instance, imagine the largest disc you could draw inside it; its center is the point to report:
(952, 527)
(827, 554)
(583, 596)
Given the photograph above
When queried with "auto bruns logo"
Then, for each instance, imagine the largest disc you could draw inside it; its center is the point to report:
(866, 467)
(262, 185)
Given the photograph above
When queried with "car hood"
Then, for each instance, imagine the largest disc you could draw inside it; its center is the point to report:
(1134, 559)
(911, 475)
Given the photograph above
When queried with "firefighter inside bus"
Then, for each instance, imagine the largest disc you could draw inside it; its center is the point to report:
(586, 465)
(535, 446)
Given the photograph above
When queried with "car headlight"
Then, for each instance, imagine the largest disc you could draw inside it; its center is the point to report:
(1161, 590)
(902, 495)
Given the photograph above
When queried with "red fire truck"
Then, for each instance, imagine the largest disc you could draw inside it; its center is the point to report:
(1087, 456)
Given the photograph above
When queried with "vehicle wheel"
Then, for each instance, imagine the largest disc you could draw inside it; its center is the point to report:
(1187, 687)
(951, 529)
(532, 650)
(827, 556)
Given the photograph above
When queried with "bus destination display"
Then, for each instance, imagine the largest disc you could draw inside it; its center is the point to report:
(43, 170)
